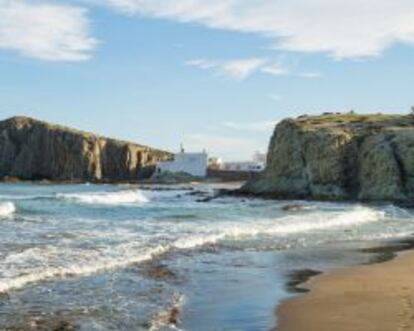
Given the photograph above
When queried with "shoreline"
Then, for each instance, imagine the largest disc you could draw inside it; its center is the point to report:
(207, 180)
(245, 289)
(375, 296)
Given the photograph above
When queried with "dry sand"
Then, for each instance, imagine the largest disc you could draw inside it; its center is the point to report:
(376, 297)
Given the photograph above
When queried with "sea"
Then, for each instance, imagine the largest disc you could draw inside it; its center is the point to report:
(176, 257)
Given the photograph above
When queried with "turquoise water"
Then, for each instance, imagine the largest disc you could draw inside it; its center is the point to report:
(121, 257)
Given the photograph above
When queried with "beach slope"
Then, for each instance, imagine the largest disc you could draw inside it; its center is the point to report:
(376, 297)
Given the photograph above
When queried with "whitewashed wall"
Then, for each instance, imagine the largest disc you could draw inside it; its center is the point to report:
(194, 164)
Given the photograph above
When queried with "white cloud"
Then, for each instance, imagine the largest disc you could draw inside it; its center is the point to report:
(275, 68)
(262, 126)
(240, 69)
(202, 64)
(343, 29)
(228, 148)
(311, 74)
(45, 31)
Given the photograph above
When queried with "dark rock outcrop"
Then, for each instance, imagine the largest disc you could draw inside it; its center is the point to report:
(340, 157)
(34, 150)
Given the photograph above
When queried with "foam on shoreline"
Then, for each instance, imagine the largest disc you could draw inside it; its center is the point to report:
(7, 209)
(106, 198)
(129, 253)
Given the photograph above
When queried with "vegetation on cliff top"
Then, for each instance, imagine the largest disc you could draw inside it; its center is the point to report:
(353, 120)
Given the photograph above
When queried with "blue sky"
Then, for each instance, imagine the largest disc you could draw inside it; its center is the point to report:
(212, 74)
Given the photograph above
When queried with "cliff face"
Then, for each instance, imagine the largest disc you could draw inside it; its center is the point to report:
(340, 157)
(31, 149)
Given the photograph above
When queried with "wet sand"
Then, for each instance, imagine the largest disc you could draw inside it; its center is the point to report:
(376, 297)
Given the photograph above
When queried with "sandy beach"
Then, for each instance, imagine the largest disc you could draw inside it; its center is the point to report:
(376, 297)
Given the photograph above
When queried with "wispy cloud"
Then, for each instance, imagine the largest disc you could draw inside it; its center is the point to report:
(275, 68)
(46, 31)
(240, 69)
(261, 126)
(343, 29)
(311, 74)
(202, 64)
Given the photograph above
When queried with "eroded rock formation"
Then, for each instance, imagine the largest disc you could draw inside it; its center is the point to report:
(32, 150)
(345, 156)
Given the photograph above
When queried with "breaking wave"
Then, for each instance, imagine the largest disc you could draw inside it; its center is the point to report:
(320, 221)
(283, 227)
(76, 270)
(130, 253)
(7, 209)
(106, 198)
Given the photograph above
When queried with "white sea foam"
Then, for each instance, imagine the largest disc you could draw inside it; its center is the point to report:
(319, 221)
(194, 236)
(86, 269)
(168, 318)
(282, 227)
(106, 198)
(7, 209)
(50, 273)
(116, 258)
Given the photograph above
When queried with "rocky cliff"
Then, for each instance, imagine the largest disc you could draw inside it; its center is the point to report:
(340, 156)
(32, 150)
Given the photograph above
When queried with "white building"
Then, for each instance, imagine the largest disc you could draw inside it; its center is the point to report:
(247, 166)
(215, 163)
(194, 164)
(259, 157)
(257, 164)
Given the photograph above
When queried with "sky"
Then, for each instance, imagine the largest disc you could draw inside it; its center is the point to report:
(215, 75)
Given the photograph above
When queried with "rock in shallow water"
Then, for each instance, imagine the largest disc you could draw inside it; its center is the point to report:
(297, 208)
